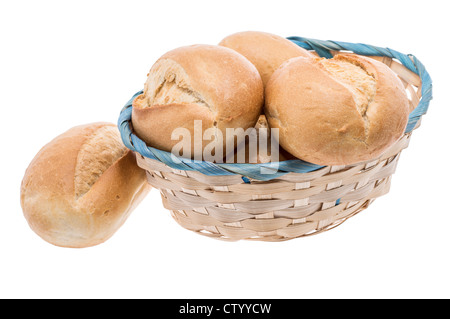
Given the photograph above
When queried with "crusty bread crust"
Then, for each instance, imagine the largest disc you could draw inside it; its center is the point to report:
(210, 83)
(329, 113)
(265, 50)
(99, 151)
(69, 207)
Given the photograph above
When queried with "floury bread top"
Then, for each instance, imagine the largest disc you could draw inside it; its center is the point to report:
(207, 83)
(338, 111)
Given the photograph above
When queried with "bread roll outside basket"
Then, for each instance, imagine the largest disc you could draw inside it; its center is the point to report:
(236, 201)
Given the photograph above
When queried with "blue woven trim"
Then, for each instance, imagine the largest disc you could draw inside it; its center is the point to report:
(254, 171)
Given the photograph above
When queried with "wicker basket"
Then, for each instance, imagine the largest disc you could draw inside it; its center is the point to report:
(235, 201)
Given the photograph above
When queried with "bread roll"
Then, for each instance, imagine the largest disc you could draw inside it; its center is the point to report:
(336, 111)
(81, 187)
(199, 82)
(265, 50)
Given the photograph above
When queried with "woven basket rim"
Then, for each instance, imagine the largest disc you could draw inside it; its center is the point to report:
(323, 49)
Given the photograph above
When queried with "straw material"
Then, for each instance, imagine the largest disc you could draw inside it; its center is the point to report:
(291, 206)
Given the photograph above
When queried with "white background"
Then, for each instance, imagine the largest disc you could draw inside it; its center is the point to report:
(69, 63)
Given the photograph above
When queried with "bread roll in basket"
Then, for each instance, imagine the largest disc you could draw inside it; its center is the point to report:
(235, 201)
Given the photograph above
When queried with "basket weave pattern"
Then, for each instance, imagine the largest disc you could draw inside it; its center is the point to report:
(294, 204)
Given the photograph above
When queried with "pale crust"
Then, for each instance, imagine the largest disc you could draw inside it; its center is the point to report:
(156, 124)
(97, 154)
(50, 201)
(265, 50)
(318, 116)
(210, 83)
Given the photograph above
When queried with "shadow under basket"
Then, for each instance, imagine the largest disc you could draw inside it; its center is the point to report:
(236, 201)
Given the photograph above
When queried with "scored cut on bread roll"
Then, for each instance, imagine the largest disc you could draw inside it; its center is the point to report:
(207, 83)
(336, 111)
(81, 186)
(266, 51)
